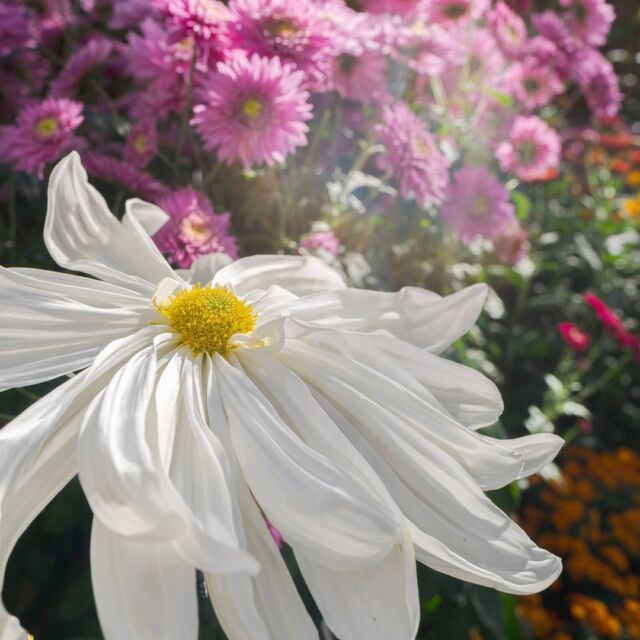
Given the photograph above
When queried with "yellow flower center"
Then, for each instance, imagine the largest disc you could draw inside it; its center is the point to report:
(283, 27)
(195, 228)
(252, 108)
(481, 207)
(140, 143)
(46, 127)
(207, 317)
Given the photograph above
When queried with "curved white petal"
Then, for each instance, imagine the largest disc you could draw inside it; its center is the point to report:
(537, 450)
(415, 420)
(458, 530)
(315, 504)
(300, 275)
(143, 590)
(377, 603)
(415, 315)
(81, 234)
(54, 323)
(150, 217)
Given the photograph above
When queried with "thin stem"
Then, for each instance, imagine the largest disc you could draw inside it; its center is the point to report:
(184, 120)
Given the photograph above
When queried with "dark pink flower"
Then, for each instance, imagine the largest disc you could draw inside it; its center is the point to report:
(194, 229)
(253, 109)
(14, 27)
(44, 132)
(577, 339)
(142, 143)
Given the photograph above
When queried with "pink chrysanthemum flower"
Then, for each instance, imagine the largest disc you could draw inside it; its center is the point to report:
(321, 239)
(253, 109)
(533, 85)
(532, 149)
(412, 155)
(395, 7)
(360, 77)
(598, 82)
(91, 54)
(142, 143)
(589, 20)
(508, 28)
(206, 20)
(14, 27)
(428, 48)
(44, 132)
(478, 205)
(455, 11)
(294, 30)
(123, 174)
(193, 229)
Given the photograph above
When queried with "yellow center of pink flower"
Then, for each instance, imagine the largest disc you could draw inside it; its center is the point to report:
(481, 206)
(140, 143)
(195, 228)
(47, 127)
(283, 27)
(207, 317)
(252, 108)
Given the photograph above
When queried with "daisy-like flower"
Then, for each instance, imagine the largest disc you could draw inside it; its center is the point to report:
(296, 31)
(193, 229)
(452, 12)
(509, 29)
(412, 155)
(204, 19)
(253, 109)
(533, 85)
(142, 143)
(589, 20)
(268, 392)
(478, 205)
(532, 149)
(44, 132)
(598, 82)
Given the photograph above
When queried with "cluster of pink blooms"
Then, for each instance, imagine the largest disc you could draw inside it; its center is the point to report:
(156, 90)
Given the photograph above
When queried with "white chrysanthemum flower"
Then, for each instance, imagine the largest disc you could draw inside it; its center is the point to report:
(272, 391)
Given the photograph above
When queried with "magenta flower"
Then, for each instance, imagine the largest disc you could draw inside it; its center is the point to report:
(129, 13)
(193, 229)
(14, 27)
(44, 132)
(533, 86)
(205, 20)
(577, 339)
(294, 30)
(598, 82)
(455, 11)
(91, 54)
(508, 28)
(396, 7)
(532, 149)
(412, 155)
(142, 143)
(253, 109)
(323, 239)
(477, 205)
(589, 20)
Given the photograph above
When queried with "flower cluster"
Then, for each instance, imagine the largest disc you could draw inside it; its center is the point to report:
(427, 90)
(581, 518)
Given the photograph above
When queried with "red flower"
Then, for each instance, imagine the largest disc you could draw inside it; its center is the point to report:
(577, 339)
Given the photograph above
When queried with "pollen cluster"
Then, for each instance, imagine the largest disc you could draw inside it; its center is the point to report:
(207, 317)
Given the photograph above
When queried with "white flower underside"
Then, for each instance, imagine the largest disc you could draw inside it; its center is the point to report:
(337, 416)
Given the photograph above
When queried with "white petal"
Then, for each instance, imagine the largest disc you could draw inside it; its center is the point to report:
(415, 315)
(81, 234)
(537, 449)
(377, 603)
(149, 216)
(312, 501)
(54, 324)
(300, 275)
(204, 269)
(143, 590)
(458, 531)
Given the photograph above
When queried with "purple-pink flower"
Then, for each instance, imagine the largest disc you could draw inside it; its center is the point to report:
(294, 30)
(360, 77)
(589, 20)
(193, 229)
(477, 205)
(142, 143)
(598, 82)
(533, 86)
(323, 239)
(254, 110)
(455, 11)
(532, 149)
(508, 28)
(412, 155)
(205, 20)
(14, 27)
(44, 132)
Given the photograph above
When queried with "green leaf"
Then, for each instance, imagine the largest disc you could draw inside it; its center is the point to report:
(522, 203)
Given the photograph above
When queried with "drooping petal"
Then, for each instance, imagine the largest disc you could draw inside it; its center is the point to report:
(149, 216)
(143, 590)
(316, 504)
(300, 275)
(376, 603)
(81, 234)
(55, 323)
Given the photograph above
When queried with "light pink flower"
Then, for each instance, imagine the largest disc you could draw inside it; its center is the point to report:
(253, 109)
(455, 11)
(296, 31)
(205, 20)
(477, 205)
(360, 77)
(598, 82)
(532, 149)
(193, 229)
(533, 86)
(93, 53)
(325, 239)
(589, 20)
(395, 7)
(44, 132)
(412, 155)
(508, 28)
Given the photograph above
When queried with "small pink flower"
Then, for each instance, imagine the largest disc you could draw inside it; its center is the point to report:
(142, 143)
(360, 77)
(477, 205)
(253, 109)
(511, 246)
(205, 20)
(194, 229)
(296, 31)
(598, 81)
(395, 7)
(533, 85)
(533, 148)
(44, 132)
(455, 11)
(509, 29)
(325, 240)
(589, 20)
(577, 339)
(609, 319)
(412, 155)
